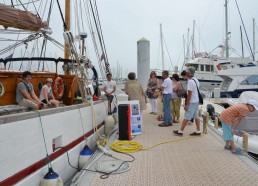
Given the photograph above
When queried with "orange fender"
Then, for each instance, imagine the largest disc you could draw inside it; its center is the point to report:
(58, 88)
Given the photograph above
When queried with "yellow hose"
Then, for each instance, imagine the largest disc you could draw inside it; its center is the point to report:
(127, 146)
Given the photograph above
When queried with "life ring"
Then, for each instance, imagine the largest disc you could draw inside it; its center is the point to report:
(58, 88)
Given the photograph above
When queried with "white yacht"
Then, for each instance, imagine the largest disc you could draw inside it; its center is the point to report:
(237, 79)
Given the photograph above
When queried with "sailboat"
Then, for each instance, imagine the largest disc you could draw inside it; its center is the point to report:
(34, 143)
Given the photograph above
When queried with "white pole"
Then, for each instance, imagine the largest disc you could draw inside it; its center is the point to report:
(162, 52)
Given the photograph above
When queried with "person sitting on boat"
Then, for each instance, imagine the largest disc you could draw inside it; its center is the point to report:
(231, 117)
(192, 103)
(109, 89)
(46, 94)
(25, 95)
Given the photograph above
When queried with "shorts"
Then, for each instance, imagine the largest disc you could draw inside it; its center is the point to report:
(227, 132)
(193, 111)
(27, 103)
(110, 98)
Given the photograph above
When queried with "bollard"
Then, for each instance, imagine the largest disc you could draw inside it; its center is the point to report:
(200, 112)
(205, 123)
(245, 141)
(216, 123)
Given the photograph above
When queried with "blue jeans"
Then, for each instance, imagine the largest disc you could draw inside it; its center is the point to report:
(166, 109)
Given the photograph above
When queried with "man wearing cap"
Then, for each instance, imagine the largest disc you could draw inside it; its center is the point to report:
(25, 95)
(231, 117)
(46, 94)
(109, 89)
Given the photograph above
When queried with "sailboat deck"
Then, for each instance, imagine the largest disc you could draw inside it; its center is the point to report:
(190, 161)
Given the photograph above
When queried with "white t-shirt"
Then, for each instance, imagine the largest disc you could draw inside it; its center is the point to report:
(49, 91)
(110, 85)
(191, 85)
(168, 87)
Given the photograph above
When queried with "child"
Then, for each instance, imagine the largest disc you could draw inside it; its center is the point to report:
(231, 117)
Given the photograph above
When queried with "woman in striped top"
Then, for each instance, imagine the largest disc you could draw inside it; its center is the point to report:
(231, 117)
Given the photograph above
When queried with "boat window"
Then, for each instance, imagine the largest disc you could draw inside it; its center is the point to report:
(208, 68)
(211, 68)
(251, 80)
(40, 85)
(196, 66)
(202, 67)
(2, 89)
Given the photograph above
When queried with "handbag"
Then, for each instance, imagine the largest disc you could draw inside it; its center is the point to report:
(199, 95)
(180, 91)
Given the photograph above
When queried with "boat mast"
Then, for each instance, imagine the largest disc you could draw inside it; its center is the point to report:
(226, 22)
(242, 44)
(253, 39)
(162, 52)
(193, 40)
(67, 21)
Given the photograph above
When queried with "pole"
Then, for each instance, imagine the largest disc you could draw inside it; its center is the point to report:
(193, 47)
(226, 34)
(162, 52)
(67, 21)
(242, 45)
(253, 39)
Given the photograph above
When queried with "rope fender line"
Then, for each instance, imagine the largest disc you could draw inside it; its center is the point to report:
(129, 146)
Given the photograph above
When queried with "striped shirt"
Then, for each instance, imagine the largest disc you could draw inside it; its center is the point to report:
(233, 112)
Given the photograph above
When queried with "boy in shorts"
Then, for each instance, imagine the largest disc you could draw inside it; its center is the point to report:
(231, 117)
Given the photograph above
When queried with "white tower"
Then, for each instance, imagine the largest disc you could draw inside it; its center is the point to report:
(143, 62)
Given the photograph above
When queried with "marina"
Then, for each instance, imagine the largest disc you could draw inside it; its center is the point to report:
(70, 114)
(181, 161)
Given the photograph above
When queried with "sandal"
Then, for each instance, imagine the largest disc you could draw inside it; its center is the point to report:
(237, 151)
(228, 147)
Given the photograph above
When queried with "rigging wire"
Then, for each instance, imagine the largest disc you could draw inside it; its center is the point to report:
(88, 16)
(96, 8)
(62, 16)
(250, 49)
(167, 51)
(98, 32)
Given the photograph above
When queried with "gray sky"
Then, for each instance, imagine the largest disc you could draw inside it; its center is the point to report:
(124, 22)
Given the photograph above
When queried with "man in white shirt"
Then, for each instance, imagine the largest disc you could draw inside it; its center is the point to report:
(109, 89)
(192, 103)
(166, 88)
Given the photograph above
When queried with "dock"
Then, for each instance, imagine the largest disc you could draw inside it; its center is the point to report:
(182, 162)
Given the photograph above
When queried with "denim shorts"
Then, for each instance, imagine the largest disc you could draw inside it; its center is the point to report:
(193, 111)
(227, 132)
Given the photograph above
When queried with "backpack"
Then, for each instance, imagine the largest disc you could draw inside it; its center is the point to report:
(180, 91)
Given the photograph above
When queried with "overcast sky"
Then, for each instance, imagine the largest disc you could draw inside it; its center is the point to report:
(124, 22)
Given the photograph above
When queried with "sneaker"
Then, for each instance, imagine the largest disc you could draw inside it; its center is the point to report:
(228, 147)
(155, 113)
(151, 112)
(195, 134)
(178, 133)
(170, 124)
(237, 151)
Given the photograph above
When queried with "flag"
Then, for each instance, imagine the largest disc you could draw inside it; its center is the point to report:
(102, 57)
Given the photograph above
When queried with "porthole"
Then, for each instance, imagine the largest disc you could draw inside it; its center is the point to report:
(2, 89)
(40, 85)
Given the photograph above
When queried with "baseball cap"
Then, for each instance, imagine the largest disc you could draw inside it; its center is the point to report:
(253, 103)
(50, 80)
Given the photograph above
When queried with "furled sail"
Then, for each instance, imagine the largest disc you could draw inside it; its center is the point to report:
(11, 17)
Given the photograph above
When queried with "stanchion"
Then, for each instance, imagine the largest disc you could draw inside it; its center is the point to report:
(216, 123)
(245, 141)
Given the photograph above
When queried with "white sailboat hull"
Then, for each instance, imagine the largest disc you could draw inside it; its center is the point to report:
(22, 142)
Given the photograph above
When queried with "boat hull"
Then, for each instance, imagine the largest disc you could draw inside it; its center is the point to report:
(24, 155)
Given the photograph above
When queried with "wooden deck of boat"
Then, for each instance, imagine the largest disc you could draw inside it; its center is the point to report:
(195, 161)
